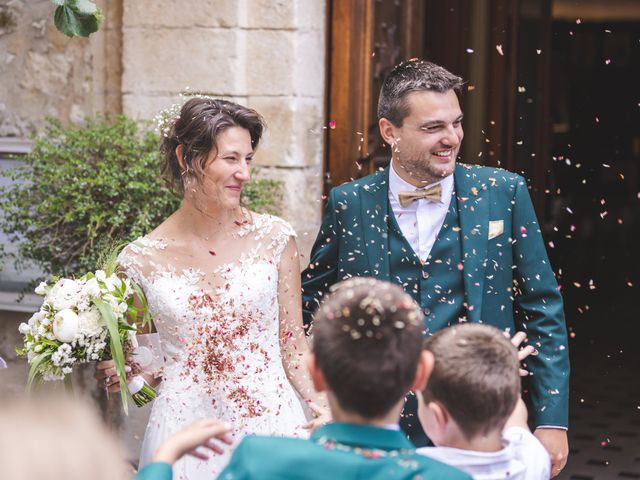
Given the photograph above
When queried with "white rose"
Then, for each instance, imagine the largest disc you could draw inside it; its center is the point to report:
(42, 288)
(65, 325)
(64, 294)
(90, 322)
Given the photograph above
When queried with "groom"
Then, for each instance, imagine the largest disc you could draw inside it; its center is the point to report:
(462, 240)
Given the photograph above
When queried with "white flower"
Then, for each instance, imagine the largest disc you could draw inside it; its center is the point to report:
(91, 288)
(24, 328)
(64, 294)
(100, 275)
(65, 325)
(113, 282)
(67, 370)
(90, 322)
(37, 318)
(42, 288)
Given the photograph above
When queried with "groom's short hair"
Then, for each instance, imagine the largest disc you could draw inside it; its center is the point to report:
(414, 75)
(475, 376)
(367, 339)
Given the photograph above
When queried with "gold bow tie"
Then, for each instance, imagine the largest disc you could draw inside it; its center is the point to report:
(432, 193)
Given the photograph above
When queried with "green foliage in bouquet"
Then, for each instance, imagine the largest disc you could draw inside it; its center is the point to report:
(83, 187)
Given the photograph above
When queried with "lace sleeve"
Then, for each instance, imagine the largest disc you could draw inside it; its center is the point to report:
(282, 232)
(135, 259)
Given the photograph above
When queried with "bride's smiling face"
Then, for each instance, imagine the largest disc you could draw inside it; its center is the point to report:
(228, 167)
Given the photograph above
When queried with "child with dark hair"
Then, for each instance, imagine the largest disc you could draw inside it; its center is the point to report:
(367, 354)
(472, 410)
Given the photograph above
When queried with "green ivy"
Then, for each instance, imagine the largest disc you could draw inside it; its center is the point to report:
(84, 187)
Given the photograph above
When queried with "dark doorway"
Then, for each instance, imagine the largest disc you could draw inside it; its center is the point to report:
(593, 223)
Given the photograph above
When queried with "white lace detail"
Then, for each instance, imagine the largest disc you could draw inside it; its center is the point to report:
(217, 317)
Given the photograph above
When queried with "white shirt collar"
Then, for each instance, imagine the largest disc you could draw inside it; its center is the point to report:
(397, 185)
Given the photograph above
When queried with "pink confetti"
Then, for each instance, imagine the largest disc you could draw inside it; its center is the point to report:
(523, 230)
(551, 245)
(212, 253)
(332, 124)
(499, 49)
(578, 21)
(460, 266)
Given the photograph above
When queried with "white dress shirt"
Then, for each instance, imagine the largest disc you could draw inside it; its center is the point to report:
(421, 220)
(522, 458)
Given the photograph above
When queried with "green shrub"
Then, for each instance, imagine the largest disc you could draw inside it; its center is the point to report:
(82, 188)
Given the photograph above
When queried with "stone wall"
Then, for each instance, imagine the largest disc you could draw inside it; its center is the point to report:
(44, 73)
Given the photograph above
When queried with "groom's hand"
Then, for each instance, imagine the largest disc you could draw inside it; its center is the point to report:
(556, 442)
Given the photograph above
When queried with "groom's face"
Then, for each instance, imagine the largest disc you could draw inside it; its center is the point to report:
(426, 146)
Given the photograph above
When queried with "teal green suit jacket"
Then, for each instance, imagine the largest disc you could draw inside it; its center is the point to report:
(335, 451)
(353, 241)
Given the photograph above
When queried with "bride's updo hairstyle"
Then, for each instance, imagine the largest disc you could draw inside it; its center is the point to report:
(200, 122)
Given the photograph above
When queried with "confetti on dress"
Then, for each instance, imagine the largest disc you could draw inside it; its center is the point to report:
(218, 321)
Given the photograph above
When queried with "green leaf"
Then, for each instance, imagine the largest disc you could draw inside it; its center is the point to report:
(74, 22)
(34, 369)
(115, 345)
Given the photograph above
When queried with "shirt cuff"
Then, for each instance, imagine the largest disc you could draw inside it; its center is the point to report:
(553, 426)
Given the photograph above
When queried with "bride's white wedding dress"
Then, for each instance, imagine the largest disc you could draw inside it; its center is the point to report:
(218, 326)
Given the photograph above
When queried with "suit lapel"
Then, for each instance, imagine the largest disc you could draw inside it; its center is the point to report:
(375, 210)
(473, 212)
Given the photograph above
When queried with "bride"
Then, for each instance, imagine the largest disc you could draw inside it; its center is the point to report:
(223, 287)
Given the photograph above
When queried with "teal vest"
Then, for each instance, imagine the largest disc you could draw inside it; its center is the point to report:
(438, 285)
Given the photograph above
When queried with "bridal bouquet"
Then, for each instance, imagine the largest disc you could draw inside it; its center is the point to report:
(83, 320)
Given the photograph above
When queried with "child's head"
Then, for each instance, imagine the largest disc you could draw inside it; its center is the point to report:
(367, 343)
(475, 382)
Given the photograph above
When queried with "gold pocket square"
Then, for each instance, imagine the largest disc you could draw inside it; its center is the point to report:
(496, 227)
